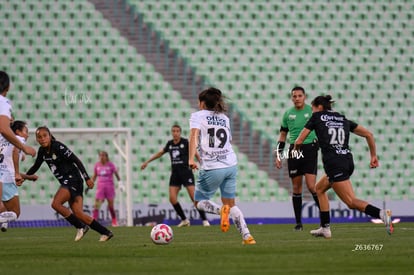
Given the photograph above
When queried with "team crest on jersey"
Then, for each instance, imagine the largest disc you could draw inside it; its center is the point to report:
(54, 156)
(292, 116)
(306, 115)
(175, 153)
(181, 145)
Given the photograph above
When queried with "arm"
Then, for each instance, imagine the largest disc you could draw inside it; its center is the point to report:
(8, 134)
(363, 132)
(279, 150)
(72, 157)
(302, 136)
(153, 157)
(36, 165)
(193, 143)
(15, 157)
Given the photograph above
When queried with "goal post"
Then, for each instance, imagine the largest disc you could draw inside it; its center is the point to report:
(86, 142)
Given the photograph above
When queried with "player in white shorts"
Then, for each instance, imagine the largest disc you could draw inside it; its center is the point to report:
(10, 177)
(210, 133)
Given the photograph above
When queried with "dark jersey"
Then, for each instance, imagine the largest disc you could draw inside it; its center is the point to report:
(178, 153)
(63, 163)
(332, 130)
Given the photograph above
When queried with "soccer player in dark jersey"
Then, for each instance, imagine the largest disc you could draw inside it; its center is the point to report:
(300, 166)
(332, 130)
(70, 172)
(181, 174)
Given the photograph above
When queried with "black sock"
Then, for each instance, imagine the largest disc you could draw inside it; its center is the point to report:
(325, 218)
(297, 207)
(202, 214)
(179, 210)
(315, 198)
(372, 211)
(74, 221)
(99, 228)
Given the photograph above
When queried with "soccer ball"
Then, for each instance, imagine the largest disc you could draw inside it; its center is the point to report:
(161, 234)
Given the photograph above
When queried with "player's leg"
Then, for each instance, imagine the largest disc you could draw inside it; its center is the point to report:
(76, 204)
(110, 197)
(111, 209)
(297, 200)
(228, 195)
(310, 168)
(173, 191)
(190, 191)
(206, 187)
(61, 197)
(9, 191)
(12, 205)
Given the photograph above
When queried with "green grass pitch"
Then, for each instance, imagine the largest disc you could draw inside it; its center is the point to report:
(355, 248)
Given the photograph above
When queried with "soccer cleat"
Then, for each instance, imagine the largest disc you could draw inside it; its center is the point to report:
(298, 227)
(81, 233)
(106, 237)
(388, 221)
(224, 218)
(183, 223)
(7, 216)
(4, 227)
(249, 240)
(206, 223)
(322, 232)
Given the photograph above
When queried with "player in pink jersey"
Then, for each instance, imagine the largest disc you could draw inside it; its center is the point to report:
(104, 171)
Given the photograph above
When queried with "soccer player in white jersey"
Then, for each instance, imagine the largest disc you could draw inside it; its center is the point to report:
(210, 134)
(10, 176)
(5, 130)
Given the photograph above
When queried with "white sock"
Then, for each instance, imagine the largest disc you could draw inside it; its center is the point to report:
(8, 216)
(209, 207)
(239, 222)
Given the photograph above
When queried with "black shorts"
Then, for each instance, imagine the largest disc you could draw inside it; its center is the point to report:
(305, 162)
(339, 168)
(74, 186)
(183, 176)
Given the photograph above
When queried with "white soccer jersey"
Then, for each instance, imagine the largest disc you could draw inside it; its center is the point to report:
(214, 144)
(6, 159)
(5, 107)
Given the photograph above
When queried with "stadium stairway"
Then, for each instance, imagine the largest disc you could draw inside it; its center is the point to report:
(183, 78)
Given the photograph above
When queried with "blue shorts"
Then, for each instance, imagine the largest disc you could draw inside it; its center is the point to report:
(9, 191)
(209, 181)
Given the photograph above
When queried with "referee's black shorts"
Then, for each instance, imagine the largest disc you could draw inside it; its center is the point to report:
(303, 162)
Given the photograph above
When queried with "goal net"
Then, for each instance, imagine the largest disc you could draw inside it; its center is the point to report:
(86, 143)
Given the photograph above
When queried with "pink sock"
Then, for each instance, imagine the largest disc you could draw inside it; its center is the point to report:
(95, 214)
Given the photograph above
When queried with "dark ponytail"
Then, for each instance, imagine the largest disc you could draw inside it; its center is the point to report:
(326, 102)
(213, 99)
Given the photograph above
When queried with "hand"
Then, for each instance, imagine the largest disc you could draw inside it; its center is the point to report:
(278, 163)
(121, 186)
(143, 166)
(19, 179)
(192, 164)
(90, 183)
(374, 162)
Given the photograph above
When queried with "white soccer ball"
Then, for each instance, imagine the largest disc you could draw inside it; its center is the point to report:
(161, 234)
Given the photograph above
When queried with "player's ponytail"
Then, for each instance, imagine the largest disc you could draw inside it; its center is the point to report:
(213, 100)
(326, 101)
